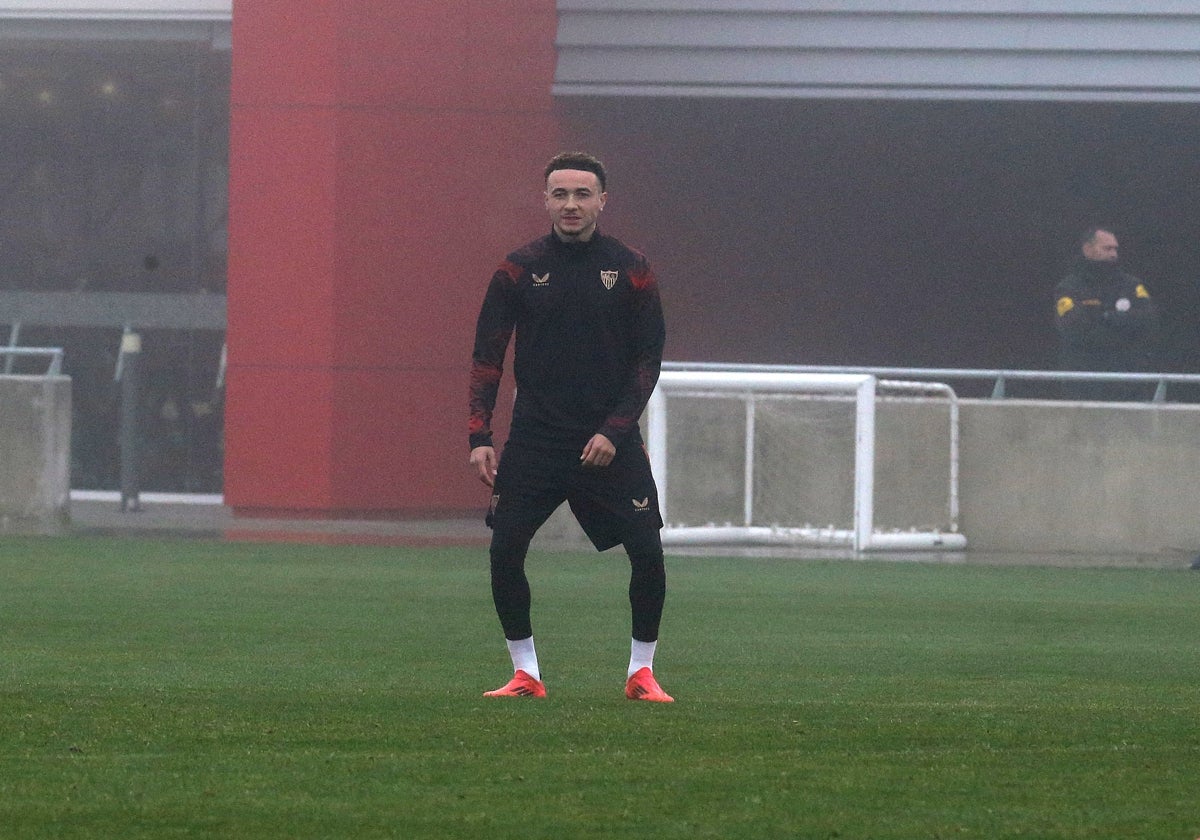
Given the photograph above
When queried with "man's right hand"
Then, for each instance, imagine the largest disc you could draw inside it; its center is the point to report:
(483, 458)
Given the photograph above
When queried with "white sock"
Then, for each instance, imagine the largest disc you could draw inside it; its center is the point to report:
(641, 655)
(524, 657)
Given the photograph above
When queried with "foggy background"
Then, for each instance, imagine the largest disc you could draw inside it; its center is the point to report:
(791, 231)
(899, 233)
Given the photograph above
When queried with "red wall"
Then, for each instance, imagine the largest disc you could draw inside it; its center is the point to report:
(384, 157)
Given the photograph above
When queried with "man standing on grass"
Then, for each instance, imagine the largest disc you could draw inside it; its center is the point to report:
(589, 343)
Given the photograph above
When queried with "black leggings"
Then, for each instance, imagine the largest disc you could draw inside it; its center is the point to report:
(510, 586)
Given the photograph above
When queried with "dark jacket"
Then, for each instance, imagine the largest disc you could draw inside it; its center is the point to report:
(1106, 320)
(589, 343)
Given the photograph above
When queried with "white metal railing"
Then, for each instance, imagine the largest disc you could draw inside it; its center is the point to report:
(998, 377)
(54, 354)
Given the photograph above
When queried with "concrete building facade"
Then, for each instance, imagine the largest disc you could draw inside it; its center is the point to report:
(849, 183)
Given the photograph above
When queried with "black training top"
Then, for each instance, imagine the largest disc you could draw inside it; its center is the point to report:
(589, 345)
(1106, 319)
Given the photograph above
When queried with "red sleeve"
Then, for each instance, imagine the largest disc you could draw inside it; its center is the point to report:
(493, 331)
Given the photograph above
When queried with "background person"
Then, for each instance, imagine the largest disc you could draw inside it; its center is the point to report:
(589, 340)
(1106, 321)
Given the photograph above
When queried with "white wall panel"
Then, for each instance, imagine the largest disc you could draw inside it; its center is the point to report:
(987, 49)
(209, 10)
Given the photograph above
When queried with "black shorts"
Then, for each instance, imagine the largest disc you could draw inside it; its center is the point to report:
(611, 503)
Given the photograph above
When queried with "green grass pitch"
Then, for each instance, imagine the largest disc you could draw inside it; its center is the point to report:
(157, 688)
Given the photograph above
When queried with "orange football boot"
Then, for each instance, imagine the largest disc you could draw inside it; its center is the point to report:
(521, 685)
(643, 686)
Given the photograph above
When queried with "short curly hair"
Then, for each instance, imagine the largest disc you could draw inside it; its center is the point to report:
(577, 160)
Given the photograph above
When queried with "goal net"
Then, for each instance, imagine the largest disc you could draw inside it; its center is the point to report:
(783, 458)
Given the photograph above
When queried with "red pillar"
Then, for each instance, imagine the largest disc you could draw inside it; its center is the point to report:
(384, 157)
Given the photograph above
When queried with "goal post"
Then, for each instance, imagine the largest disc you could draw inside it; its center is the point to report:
(755, 390)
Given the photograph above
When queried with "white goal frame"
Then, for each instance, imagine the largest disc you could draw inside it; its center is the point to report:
(862, 536)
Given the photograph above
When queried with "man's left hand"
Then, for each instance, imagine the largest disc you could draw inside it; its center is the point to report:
(598, 452)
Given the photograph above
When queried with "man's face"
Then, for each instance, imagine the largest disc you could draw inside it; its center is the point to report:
(1102, 247)
(574, 201)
